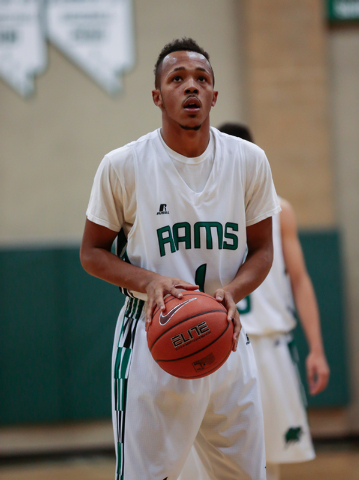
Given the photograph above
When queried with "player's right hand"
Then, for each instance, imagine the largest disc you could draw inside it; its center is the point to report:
(158, 288)
(317, 372)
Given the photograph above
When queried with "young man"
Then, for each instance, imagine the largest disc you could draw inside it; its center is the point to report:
(267, 316)
(188, 201)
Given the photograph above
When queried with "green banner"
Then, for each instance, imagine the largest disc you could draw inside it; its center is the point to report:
(343, 10)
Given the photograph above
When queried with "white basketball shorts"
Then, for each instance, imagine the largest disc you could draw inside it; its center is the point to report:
(287, 435)
(158, 417)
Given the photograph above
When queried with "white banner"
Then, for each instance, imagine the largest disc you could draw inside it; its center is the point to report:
(98, 35)
(22, 43)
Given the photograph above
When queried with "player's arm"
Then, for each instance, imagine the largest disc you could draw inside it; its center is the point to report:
(251, 273)
(305, 300)
(97, 260)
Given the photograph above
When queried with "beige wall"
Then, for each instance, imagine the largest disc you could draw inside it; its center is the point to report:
(51, 145)
(344, 64)
(271, 71)
(286, 81)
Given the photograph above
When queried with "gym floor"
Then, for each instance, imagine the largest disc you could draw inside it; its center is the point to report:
(85, 452)
(342, 464)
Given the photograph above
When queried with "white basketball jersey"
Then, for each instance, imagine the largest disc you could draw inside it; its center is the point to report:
(270, 308)
(197, 237)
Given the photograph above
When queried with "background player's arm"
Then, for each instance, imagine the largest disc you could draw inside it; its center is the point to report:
(97, 260)
(251, 273)
(305, 300)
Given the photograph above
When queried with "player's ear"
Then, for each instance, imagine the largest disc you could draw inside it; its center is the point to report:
(214, 98)
(157, 98)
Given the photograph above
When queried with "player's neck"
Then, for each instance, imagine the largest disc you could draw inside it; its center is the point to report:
(189, 143)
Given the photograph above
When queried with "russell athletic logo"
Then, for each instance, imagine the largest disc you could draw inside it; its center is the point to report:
(163, 209)
(165, 318)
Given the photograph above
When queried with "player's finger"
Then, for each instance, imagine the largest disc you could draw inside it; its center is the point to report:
(324, 379)
(186, 286)
(176, 293)
(232, 310)
(311, 378)
(237, 327)
(154, 299)
(159, 300)
(149, 313)
(321, 382)
(315, 388)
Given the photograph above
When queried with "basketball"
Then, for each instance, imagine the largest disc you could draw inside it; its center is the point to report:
(192, 338)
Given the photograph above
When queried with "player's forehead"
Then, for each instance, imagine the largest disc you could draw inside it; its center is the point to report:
(185, 59)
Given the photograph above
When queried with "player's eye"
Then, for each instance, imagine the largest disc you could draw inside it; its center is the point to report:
(202, 79)
(177, 78)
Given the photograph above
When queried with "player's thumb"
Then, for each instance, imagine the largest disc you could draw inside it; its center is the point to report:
(219, 295)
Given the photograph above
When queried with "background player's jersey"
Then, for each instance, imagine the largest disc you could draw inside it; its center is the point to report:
(197, 237)
(270, 308)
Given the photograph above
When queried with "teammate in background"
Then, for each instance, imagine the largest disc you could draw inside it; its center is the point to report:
(267, 316)
(188, 200)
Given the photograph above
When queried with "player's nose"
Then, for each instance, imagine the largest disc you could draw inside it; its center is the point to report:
(191, 86)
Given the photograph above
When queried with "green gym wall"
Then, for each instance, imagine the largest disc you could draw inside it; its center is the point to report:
(57, 326)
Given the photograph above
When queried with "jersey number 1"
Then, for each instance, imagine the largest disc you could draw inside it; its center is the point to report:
(200, 276)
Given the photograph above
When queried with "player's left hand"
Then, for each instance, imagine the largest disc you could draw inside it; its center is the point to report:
(226, 299)
(317, 372)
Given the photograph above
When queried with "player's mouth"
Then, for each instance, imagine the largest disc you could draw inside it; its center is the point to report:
(192, 104)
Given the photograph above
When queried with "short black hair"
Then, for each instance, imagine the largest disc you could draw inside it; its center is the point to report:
(237, 130)
(178, 45)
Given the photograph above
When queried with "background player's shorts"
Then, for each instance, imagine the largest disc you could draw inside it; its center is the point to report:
(157, 417)
(287, 435)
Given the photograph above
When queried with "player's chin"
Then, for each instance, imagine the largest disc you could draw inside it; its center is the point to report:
(191, 124)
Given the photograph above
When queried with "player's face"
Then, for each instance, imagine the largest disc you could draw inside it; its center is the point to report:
(186, 93)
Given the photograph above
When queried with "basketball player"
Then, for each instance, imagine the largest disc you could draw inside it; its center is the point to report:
(267, 316)
(187, 200)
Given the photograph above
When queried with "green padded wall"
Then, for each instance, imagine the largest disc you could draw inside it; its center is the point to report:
(57, 326)
(29, 333)
(322, 254)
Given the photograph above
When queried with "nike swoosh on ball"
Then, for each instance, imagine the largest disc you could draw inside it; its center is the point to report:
(165, 318)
